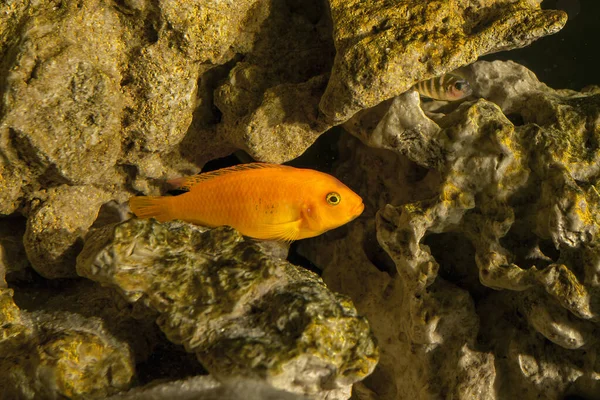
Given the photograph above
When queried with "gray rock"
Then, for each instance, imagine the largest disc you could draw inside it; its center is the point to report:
(208, 388)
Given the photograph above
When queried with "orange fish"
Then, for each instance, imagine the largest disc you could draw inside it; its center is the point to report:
(263, 201)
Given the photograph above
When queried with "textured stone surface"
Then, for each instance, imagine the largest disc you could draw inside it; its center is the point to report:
(55, 229)
(283, 125)
(63, 99)
(270, 100)
(58, 354)
(488, 215)
(208, 388)
(133, 325)
(105, 99)
(241, 312)
(428, 338)
(119, 96)
(383, 48)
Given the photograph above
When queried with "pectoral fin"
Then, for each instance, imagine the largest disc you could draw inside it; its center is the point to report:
(287, 231)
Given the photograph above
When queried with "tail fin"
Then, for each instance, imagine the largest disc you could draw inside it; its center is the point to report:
(151, 207)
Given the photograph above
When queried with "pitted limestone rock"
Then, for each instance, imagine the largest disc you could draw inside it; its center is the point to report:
(50, 355)
(12, 178)
(56, 228)
(491, 173)
(290, 115)
(432, 331)
(399, 125)
(532, 365)
(240, 310)
(384, 48)
(133, 325)
(120, 96)
(208, 388)
(270, 100)
(504, 195)
(63, 107)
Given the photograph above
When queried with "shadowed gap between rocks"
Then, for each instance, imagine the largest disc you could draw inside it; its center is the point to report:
(276, 55)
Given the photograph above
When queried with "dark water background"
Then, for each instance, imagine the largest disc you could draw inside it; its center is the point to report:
(569, 59)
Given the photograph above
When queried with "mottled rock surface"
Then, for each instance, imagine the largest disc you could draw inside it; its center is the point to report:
(208, 388)
(487, 211)
(104, 99)
(241, 312)
(57, 226)
(59, 354)
(116, 97)
(383, 48)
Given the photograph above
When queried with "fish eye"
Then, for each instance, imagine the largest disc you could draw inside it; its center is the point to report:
(459, 85)
(333, 198)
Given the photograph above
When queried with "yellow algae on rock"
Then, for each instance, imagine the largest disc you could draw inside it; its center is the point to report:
(240, 310)
(49, 354)
(489, 217)
(384, 48)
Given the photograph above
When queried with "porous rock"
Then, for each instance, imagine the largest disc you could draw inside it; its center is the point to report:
(59, 354)
(119, 96)
(103, 99)
(208, 388)
(498, 223)
(383, 48)
(242, 312)
(179, 43)
(11, 181)
(429, 337)
(130, 324)
(270, 100)
(62, 102)
(55, 229)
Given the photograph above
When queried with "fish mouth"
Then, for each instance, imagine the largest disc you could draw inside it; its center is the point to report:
(356, 211)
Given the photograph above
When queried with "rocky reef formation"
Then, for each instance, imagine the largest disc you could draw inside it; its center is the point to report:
(59, 354)
(488, 212)
(114, 98)
(103, 99)
(242, 312)
(383, 48)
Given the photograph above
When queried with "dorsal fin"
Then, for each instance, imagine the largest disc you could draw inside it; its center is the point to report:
(188, 182)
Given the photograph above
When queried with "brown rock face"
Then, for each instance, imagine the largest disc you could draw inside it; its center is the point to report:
(383, 48)
(488, 214)
(104, 99)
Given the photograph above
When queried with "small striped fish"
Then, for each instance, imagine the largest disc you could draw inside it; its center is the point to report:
(448, 87)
